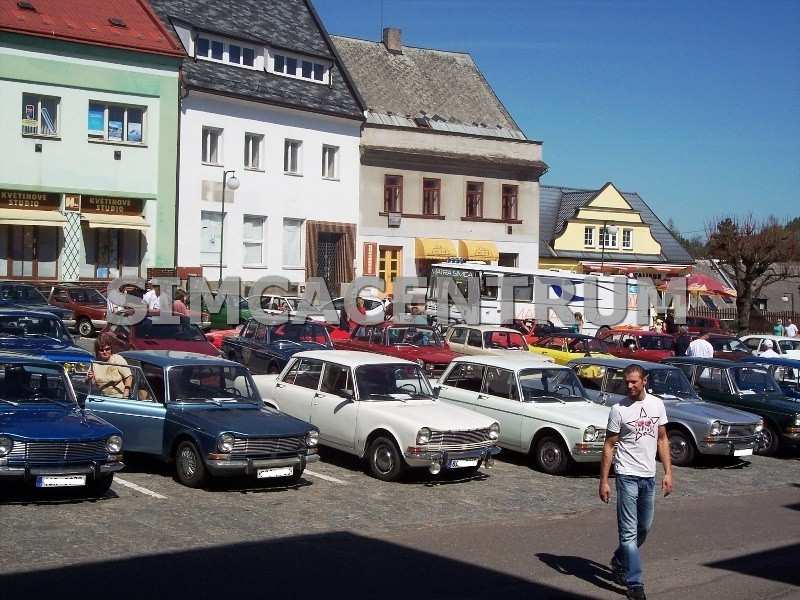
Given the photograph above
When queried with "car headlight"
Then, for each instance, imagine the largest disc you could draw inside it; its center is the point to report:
(760, 426)
(6, 444)
(589, 434)
(114, 444)
(225, 442)
(716, 428)
(423, 436)
(494, 431)
(312, 438)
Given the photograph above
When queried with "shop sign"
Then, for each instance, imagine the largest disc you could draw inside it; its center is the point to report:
(72, 202)
(29, 200)
(110, 205)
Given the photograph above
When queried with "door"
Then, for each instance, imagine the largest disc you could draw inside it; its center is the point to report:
(712, 385)
(390, 266)
(500, 398)
(474, 343)
(328, 259)
(295, 392)
(462, 386)
(457, 338)
(334, 409)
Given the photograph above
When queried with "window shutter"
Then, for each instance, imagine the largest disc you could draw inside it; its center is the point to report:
(370, 259)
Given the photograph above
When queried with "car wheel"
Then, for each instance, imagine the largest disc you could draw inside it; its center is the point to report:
(85, 328)
(770, 441)
(551, 455)
(681, 448)
(385, 462)
(189, 465)
(98, 487)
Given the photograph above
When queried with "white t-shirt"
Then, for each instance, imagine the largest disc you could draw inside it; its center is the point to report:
(637, 424)
(769, 353)
(700, 348)
(791, 330)
(151, 300)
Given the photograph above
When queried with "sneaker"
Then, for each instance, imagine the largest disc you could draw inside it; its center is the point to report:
(617, 571)
(635, 592)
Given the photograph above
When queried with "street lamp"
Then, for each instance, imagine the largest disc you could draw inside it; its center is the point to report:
(604, 231)
(233, 184)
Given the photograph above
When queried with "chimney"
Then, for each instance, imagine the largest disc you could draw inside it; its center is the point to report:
(392, 40)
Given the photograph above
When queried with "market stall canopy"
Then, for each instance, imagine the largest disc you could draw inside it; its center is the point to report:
(435, 249)
(699, 283)
(110, 221)
(42, 218)
(478, 250)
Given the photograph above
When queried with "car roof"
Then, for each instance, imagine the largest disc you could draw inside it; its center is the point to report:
(352, 358)
(620, 363)
(707, 362)
(515, 362)
(639, 332)
(487, 328)
(18, 358)
(569, 334)
(172, 358)
(772, 360)
(769, 336)
(21, 312)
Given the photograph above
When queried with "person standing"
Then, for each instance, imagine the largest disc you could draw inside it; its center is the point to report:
(682, 341)
(636, 431)
(701, 347)
(791, 329)
(151, 298)
(779, 328)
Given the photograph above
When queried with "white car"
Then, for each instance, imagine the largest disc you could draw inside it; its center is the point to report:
(374, 307)
(542, 408)
(381, 409)
(786, 347)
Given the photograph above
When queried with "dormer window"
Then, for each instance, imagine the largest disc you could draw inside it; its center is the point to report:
(220, 50)
(311, 69)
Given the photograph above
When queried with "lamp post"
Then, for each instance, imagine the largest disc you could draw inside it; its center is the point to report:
(232, 183)
(604, 231)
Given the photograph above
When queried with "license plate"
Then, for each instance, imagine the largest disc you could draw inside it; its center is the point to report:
(743, 452)
(460, 463)
(274, 472)
(50, 481)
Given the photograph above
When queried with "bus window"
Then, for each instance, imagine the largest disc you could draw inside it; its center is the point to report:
(489, 284)
(523, 293)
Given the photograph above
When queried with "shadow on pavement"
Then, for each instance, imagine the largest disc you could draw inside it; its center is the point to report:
(24, 494)
(576, 470)
(707, 462)
(778, 564)
(583, 568)
(334, 565)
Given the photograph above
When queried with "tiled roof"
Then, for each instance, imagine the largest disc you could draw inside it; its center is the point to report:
(91, 22)
(289, 24)
(446, 90)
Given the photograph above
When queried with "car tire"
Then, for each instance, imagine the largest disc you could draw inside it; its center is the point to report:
(770, 441)
(551, 455)
(85, 328)
(98, 487)
(384, 459)
(681, 448)
(189, 465)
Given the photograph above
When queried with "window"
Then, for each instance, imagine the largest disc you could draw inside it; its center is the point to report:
(234, 54)
(474, 199)
(253, 146)
(284, 64)
(712, 380)
(111, 253)
(305, 373)
(393, 193)
(40, 114)
(337, 381)
(29, 251)
(292, 242)
(431, 192)
(253, 239)
(217, 50)
(588, 236)
(466, 376)
(458, 335)
(500, 383)
(616, 383)
(307, 69)
(627, 239)
(591, 376)
(510, 202)
(222, 51)
(608, 237)
(212, 146)
(330, 160)
(363, 334)
(474, 339)
(116, 123)
(292, 157)
(509, 259)
(210, 234)
(250, 329)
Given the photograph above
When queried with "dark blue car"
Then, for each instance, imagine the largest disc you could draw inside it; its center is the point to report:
(267, 349)
(203, 413)
(24, 296)
(786, 372)
(45, 437)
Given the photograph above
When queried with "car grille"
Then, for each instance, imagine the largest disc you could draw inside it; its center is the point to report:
(460, 440)
(738, 430)
(249, 447)
(57, 452)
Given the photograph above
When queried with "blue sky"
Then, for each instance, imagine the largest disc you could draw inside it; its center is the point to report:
(695, 105)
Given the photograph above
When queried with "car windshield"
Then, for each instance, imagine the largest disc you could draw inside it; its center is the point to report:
(750, 380)
(301, 332)
(656, 342)
(671, 382)
(87, 296)
(504, 340)
(211, 383)
(184, 331)
(391, 382)
(728, 345)
(584, 345)
(22, 293)
(293, 302)
(33, 384)
(789, 345)
(550, 385)
(415, 336)
(26, 326)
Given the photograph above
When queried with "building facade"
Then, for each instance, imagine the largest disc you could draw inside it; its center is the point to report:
(266, 104)
(445, 171)
(88, 127)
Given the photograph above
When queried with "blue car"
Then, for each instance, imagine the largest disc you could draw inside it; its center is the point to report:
(45, 437)
(202, 413)
(24, 296)
(786, 372)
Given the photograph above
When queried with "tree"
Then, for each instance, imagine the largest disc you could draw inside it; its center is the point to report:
(757, 253)
(695, 246)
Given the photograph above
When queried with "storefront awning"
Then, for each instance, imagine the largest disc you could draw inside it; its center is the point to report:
(42, 218)
(435, 249)
(107, 221)
(477, 250)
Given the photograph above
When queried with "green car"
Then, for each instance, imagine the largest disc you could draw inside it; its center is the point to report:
(219, 320)
(750, 388)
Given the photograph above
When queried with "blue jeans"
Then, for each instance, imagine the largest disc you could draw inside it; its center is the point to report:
(635, 504)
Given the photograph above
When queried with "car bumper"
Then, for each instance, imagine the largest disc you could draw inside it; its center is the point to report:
(99, 324)
(94, 469)
(69, 323)
(791, 436)
(425, 458)
(585, 452)
(250, 466)
(723, 447)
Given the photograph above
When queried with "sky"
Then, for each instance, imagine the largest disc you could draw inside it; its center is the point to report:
(695, 105)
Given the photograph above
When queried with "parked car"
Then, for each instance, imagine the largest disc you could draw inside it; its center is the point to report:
(638, 344)
(218, 336)
(749, 388)
(148, 335)
(421, 344)
(88, 306)
(542, 408)
(693, 426)
(701, 325)
(564, 347)
(381, 409)
(787, 347)
(786, 372)
(43, 335)
(205, 415)
(267, 348)
(728, 347)
(373, 306)
(219, 320)
(485, 339)
(24, 296)
(533, 333)
(46, 438)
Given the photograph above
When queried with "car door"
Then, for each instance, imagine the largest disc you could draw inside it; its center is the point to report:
(501, 400)
(712, 385)
(238, 348)
(334, 409)
(295, 390)
(474, 343)
(140, 415)
(260, 358)
(462, 385)
(456, 338)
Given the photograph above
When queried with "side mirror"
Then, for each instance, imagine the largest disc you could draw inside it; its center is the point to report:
(436, 391)
(349, 395)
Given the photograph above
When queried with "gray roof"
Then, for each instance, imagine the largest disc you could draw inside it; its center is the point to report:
(288, 24)
(620, 363)
(558, 204)
(444, 90)
(177, 358)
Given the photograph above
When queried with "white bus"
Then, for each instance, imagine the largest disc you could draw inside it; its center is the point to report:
(490, 280)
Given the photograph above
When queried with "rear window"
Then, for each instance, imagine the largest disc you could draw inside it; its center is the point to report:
(656, 342)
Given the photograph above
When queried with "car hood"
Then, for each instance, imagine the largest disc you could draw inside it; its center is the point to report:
(54, 422)
(426, 354)
(243, 420)
(200, 346)
(704, 411)
(776, 402)
(49, 308)
(573, 414)
(47, 349)
(288, 349)
(436, 415)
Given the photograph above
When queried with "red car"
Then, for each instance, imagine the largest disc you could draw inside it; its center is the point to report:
(638, 344)
(147, 335)
(87, 304)
(533, 331)
(729, 347)
(419, 343)
(218, 336)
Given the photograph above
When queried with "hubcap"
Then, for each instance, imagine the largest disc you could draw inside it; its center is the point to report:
(766, 439)
(384, 461)
(188, 463)
(550, 454)
(677, 448)
(85, 329)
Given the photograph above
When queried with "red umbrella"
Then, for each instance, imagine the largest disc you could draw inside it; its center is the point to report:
(699, 283)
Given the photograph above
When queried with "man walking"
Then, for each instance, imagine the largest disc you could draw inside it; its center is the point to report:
(791, 329)
(637, 428)
(701, 347)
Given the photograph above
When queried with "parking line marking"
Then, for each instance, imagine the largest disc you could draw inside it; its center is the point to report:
(138, 488)
(325, 477)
